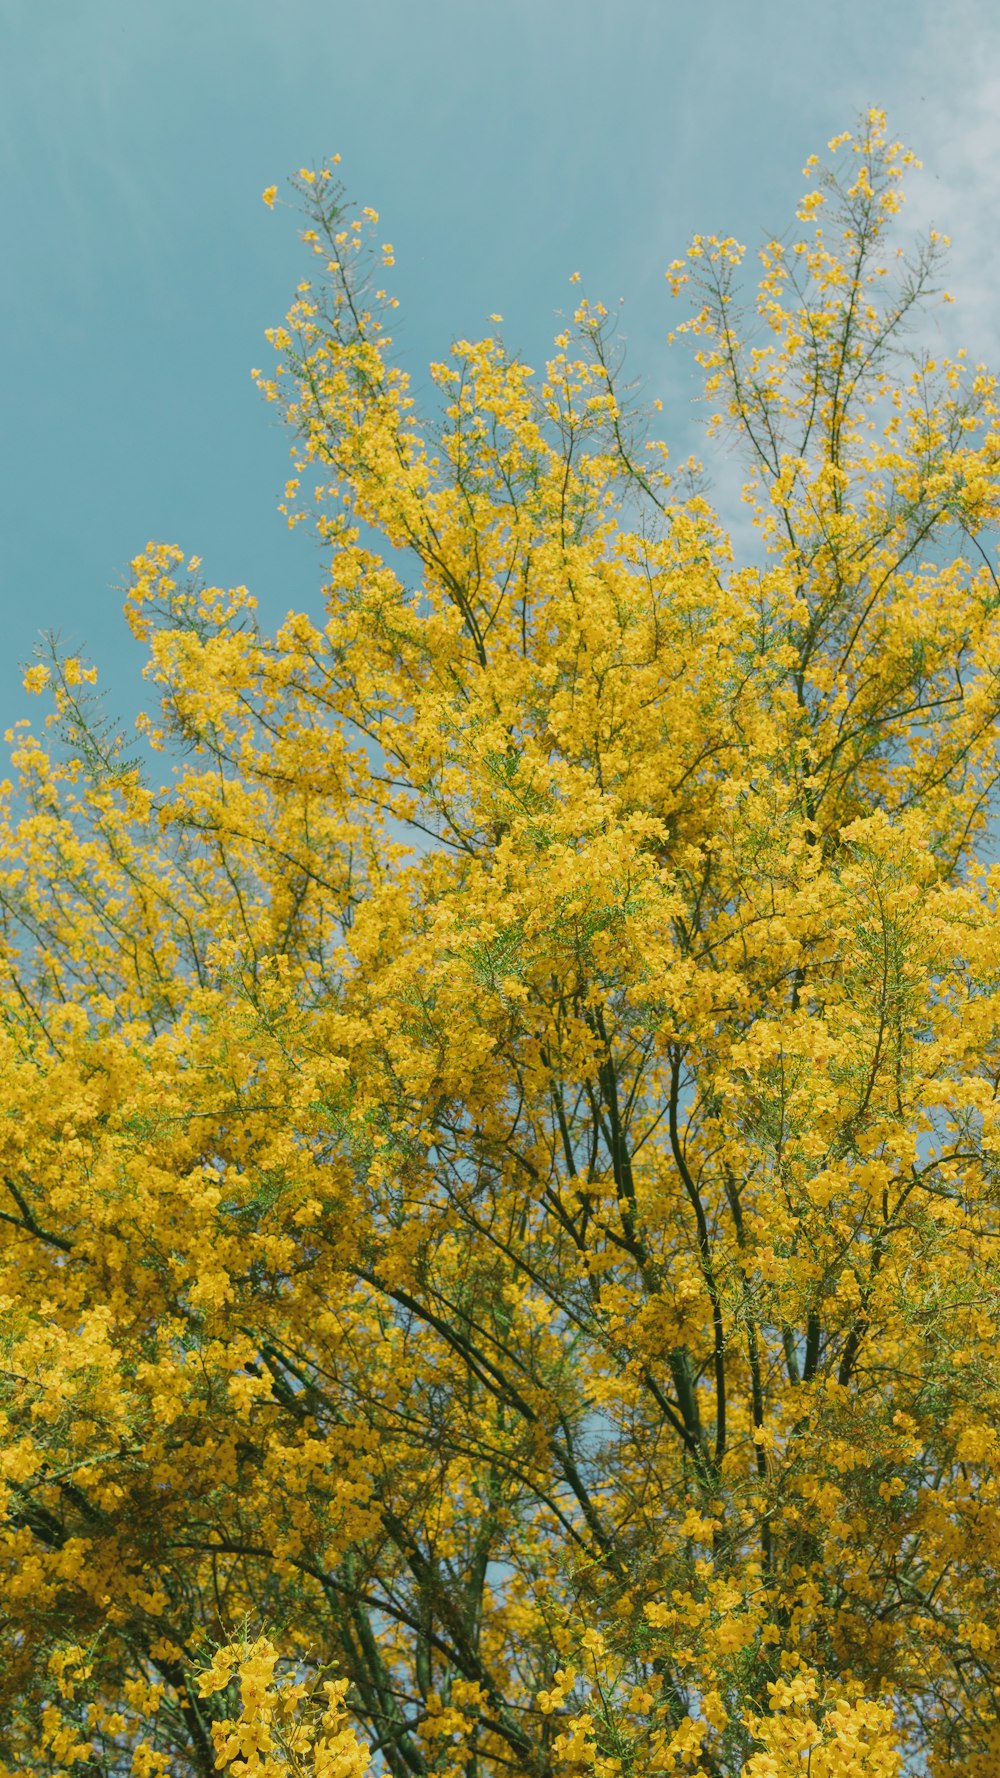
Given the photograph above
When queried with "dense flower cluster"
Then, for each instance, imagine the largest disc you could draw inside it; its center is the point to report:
(500, 1170)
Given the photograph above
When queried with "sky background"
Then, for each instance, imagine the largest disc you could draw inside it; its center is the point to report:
(505, 145)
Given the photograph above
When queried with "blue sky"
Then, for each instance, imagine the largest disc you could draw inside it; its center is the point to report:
(505, 146)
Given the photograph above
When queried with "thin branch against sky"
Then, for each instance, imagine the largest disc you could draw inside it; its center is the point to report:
(506, 147)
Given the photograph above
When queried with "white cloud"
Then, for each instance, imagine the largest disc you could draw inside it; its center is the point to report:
(948, 109)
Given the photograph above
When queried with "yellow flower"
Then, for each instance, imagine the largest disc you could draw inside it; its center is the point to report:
(500, 1144)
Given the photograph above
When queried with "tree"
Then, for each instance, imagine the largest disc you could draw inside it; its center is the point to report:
(500, 1168)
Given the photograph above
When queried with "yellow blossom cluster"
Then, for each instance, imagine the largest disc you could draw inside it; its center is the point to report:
(499, 1137)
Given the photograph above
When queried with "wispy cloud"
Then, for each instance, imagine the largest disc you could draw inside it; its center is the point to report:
(948, 108)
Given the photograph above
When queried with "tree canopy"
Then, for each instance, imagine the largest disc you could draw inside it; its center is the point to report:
(499, 1187)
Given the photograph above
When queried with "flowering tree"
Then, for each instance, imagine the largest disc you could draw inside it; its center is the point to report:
(500, 1152)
